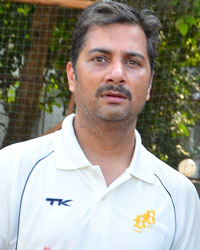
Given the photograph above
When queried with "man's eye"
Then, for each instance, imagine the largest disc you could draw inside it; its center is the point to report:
(132, 62)
(99, 59)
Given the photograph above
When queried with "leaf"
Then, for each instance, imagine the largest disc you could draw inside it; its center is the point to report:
(183, 130)
(11, 94)
(184, 29)
(190, 19)
(175, 2)
(182, 26)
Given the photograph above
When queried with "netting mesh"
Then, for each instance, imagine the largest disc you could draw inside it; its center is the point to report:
(35, 47)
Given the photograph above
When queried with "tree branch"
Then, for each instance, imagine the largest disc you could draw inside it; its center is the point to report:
(76, 4)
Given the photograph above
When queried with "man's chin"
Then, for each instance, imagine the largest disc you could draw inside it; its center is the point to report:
(113, 116)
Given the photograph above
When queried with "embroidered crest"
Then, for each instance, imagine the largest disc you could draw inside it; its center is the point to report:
(144, 221)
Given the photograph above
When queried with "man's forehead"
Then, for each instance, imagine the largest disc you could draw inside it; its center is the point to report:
(104, 27)
(133, 38)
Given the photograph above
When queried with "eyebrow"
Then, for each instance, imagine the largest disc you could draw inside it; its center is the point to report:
(135, 54)
(107, 51)
(101, 50)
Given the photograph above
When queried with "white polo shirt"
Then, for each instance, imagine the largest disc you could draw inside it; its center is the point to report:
(51, 195)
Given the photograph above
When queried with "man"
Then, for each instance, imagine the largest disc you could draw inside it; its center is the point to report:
(92, 185)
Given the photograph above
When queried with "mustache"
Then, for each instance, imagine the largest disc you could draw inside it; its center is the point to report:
(119, 89)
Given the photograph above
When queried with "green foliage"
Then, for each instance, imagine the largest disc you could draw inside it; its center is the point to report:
(13, 43)
(55, 90)
(173, 109)
(11, 94)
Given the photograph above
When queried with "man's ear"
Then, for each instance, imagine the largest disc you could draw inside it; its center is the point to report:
(71, 76)
(150, 86)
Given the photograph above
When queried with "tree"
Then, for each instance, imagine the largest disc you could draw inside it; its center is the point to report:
(36, 88)
(174, 107)
(25, 111)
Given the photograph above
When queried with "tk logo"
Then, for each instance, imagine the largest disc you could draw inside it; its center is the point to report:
(59, 202)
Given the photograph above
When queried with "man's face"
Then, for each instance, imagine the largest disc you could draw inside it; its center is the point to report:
(113, 77)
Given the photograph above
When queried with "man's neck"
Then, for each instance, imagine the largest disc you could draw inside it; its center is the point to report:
(107, 144)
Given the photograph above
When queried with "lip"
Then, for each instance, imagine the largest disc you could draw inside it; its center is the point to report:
(113, 97)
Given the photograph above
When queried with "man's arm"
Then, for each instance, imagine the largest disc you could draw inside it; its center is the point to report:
(188, 220)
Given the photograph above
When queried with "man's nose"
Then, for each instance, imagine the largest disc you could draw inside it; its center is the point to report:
(116, 73)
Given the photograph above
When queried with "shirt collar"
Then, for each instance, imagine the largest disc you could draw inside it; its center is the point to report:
(69, 154)
(141, 166)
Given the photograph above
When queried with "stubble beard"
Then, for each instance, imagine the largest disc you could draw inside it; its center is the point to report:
(111, 116)
(112, 113)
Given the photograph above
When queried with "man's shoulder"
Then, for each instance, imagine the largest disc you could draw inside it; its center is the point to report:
(26, 152)
(172, 180)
